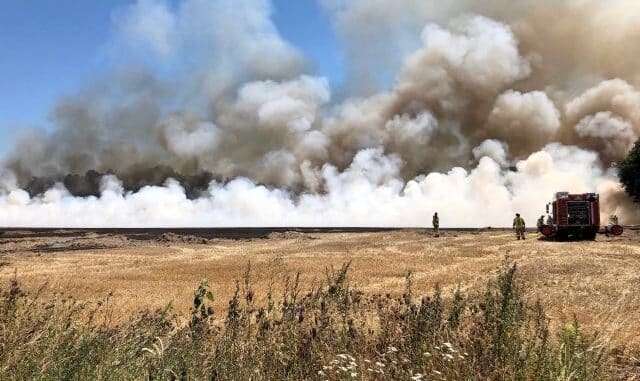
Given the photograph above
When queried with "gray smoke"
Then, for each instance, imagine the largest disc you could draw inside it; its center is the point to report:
(446, 96)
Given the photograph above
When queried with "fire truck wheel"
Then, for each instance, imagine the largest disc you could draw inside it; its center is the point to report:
(561, 236)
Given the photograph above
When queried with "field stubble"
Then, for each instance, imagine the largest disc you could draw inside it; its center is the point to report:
(597, 281)
(80, 317)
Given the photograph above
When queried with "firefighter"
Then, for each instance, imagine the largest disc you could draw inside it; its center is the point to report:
(519, 226)
(613, 220)
(540, 223)
(436, 224)
(549, 220)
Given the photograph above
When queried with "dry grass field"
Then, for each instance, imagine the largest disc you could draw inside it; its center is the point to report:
(597, 281)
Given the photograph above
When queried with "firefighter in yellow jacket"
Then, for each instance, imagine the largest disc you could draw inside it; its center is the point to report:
(519, 226)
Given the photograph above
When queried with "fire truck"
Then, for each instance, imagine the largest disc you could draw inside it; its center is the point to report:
(575, 216)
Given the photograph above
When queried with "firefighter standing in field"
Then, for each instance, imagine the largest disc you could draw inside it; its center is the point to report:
(519, 226)
(436, 224)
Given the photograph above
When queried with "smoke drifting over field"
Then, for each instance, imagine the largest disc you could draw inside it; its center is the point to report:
(493, 106)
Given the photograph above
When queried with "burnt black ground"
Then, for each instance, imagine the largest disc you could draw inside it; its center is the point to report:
(144, 234)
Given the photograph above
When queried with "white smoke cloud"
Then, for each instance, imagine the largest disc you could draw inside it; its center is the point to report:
(8, 181)
(225, 43)
(475, 57)
(615, 135)
(528, 121)
(607, 116)
(614, 95)
(493, 149)
(367, 193)
(377, 34)
(291, 105)
(148, 24)
(189, 137)
(564, 37)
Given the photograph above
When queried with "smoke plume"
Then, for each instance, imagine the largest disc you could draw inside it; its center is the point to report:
(473, 108)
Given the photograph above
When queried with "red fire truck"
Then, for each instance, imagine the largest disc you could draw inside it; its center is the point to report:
(575, 216)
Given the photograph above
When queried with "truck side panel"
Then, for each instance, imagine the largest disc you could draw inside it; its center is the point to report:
(562, 212)
(595, 213)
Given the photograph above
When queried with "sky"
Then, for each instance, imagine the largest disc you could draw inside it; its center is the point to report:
(50, 48)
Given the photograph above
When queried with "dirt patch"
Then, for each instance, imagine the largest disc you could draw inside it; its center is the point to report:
(64, 246)
(290, 235)
(88, 242)
(183, 239)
